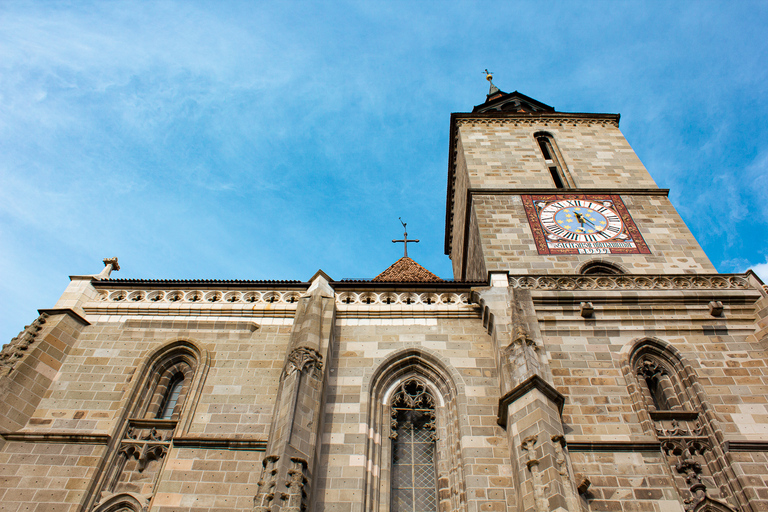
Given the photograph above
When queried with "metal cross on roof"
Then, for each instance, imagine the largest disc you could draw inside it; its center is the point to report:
(405, 239)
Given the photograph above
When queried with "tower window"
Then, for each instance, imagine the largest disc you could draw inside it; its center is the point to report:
(544, 148)
(171, 397)
(554, 164)
(556, 177)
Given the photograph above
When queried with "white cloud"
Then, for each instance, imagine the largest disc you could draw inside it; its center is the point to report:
(761, 269)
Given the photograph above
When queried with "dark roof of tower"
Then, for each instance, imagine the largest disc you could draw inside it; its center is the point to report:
(405, 270)
(511, 102)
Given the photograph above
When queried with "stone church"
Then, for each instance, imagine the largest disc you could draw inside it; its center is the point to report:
(587, 356)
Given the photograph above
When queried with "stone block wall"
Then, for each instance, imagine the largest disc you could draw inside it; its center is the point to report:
(503, 153)
(495, 159)
(723, 366)
(356, 480)
(205, 479)
(507, 242)
(43, 476)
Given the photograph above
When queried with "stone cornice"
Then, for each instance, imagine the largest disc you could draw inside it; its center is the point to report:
(229, 443)
(196, 296)
(56, 437)
(188, 441)
(613, 446)
(199, 284)
(746, 446)
(516, 117)
(405, 298)
(64, 311)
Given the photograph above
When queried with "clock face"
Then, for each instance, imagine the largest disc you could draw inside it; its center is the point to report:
(582, 224)
(580, 220)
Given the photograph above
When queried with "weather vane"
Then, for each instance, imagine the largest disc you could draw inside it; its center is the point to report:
(405, 238)
(489, 77)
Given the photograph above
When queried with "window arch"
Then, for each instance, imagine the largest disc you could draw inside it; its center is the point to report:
(414, 450)
(160, 405)
(672, 406)
(175, 368)
(121, 503)
(553, 159)
(600, 267)
(658, 387)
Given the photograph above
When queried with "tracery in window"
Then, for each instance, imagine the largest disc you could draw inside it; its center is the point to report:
(658, 385)
(414, 479)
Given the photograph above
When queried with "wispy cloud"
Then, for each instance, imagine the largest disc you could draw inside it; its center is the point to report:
(265, 140)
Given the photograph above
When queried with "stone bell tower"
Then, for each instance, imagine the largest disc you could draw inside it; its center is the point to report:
(602, 308)
(532, 190)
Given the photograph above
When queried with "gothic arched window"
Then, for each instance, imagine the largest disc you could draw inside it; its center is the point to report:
(659, 390)
(414, 442)
(414, 476)
(671, 405)
(172, 375)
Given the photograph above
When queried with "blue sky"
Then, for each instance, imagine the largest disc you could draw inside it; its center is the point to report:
(265, 140)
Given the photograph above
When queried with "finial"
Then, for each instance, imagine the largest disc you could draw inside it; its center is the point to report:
(405, 239)
(489, 77)
(110, 264)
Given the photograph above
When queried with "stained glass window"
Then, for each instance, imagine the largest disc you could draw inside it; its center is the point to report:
(414, 481)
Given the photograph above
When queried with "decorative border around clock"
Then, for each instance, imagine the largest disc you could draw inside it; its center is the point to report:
(539, 233)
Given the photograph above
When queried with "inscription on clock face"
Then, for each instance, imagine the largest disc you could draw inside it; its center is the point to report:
(582, 224)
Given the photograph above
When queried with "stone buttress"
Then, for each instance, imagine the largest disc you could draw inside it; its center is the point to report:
(292, 450)
(530, 407)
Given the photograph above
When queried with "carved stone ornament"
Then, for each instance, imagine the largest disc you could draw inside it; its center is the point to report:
(685, 447)
(304, 358)
(692, 472)
(15, 350)
(297, 479)
(648, 368)
(144, 453)
(629, 282)
(266, 485)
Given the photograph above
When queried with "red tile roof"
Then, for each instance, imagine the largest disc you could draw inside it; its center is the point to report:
(405, 270)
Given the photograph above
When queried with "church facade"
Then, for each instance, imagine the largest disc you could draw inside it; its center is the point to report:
(586, 357)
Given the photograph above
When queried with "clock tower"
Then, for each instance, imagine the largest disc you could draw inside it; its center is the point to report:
(536, 191)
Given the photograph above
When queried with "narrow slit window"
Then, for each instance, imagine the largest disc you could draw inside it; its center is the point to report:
(171, 397)
(554, 165)
(556, 177)
(544, 148)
